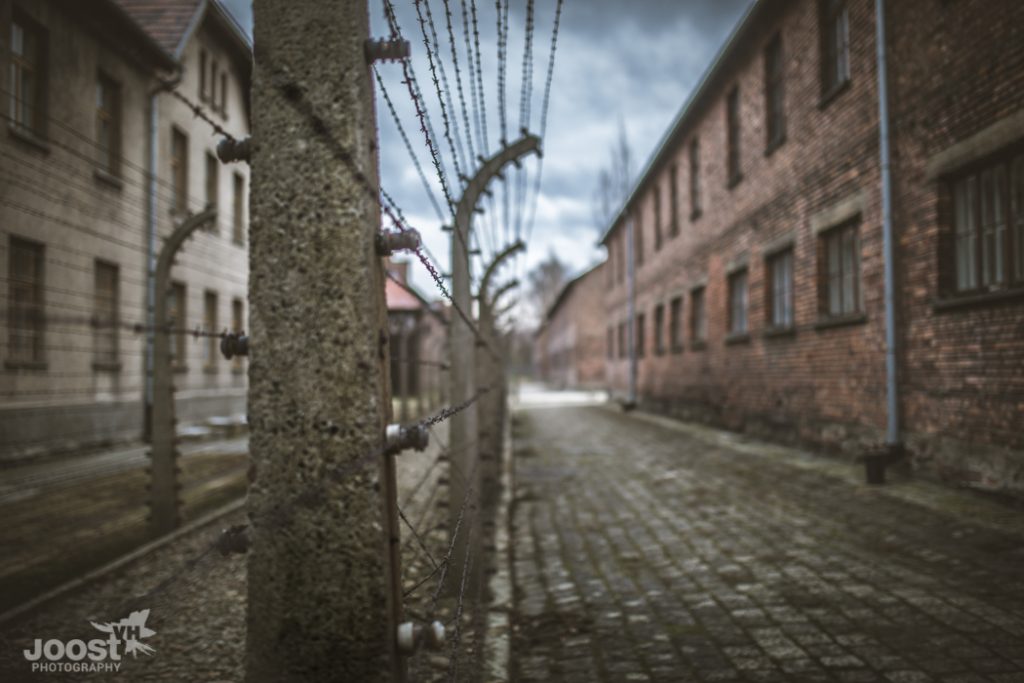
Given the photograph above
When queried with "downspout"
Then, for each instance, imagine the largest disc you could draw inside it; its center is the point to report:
(152, 225)
(892, 433)
(631, 313)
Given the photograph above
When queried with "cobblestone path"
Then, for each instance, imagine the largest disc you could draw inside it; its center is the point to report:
(644, 552)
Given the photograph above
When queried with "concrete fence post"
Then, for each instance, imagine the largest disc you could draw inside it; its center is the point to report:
(164, 512)
(323, 575)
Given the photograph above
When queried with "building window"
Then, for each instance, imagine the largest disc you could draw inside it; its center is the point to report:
(212, 183)
(237, 326)
(238, 210)
(224, 95)
(638, 237)
(622, 340)
(732, 122)
(698, 316)
(26, 322)
(659, 329)
(738, 302)
(835, 46)
(106, 318)
(774, 93)
(213, 83)
(108, 124)
(611, 343)
(695, 206)
(675, 324)
(780, 289)
(657, 219)
(28, 72)
(641, 340)
(988, 216)
(840, 287)
(176, 312)
(212, 346)
(202, 75)
(179, 171)
(673, 199)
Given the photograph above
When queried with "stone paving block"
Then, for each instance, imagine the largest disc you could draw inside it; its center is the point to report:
(665, 561)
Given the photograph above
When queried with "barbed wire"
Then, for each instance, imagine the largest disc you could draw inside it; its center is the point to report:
(458, 84)
(445, 120)
(200, 113)
(544, 116)
(18, 318)
(408, 146)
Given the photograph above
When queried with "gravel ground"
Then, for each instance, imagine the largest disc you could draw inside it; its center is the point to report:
(199, 613)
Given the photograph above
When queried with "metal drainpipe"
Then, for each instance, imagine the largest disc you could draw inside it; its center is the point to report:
(151, 241)
(892, 436)
(631, 312)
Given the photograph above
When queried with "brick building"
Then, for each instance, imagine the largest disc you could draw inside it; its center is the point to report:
(569, 347)
(99, 163)
(757, 238)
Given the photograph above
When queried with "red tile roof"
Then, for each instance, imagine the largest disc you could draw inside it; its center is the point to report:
(399, 298)
(165, 20)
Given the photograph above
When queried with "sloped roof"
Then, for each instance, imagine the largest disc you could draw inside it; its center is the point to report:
(166, 21)
(400, 298)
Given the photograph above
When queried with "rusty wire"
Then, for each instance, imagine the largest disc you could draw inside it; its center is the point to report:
(419, 103)
(418, 4)
(408, 146)
(458, 82)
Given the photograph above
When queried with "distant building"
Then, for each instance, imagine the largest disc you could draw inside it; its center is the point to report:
(418, 334)
(757, 231)
(89, 122)
(569, 346)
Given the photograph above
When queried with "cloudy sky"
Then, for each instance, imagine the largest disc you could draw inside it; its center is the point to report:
(633, 61)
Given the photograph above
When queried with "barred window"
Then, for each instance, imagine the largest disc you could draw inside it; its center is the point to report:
(26, 322)
(835, 45)
(105, 315)
(659, 329)
(840, 286)
(780, 289)
(675, 324)
(738, 302)
(108, 124)
(988, 220)
(774, 93)
(28, 75)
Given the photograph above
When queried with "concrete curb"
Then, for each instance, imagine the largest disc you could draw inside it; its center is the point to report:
(96, 574)
(498, 640)
(957, 504)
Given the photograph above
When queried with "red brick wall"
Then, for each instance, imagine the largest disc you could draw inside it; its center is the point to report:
(958, 70)
(955, 67)
(570, 347)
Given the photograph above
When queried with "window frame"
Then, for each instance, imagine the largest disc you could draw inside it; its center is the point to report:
(179, 171)
(827, 276)
(698, 316)
(212, 186)
(238, 327)
(1009, 246)
(736, 330)
(656, 198)
(834, 53)
(696, 208)
(640, 334)
(177, 312)
(106, 332)
(38, 66)
(110, 157)
(673, 200)
(676, 324)
(211, 349)
(733, 133)
(33, 328)
(238, 209)
(774, 93)
(659, 329)
(785, 255)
